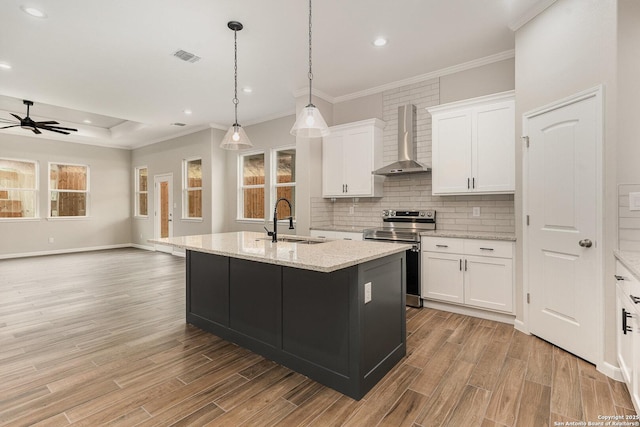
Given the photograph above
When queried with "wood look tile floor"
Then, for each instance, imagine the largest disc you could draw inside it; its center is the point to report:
(99, 338)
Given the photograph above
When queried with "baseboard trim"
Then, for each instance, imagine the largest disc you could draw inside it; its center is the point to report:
(470, 311)
(520, 326)
(611, 371)
(144, 247)
(66, 251)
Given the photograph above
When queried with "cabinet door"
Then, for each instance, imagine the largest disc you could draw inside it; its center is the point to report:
(493, 148)
(624, 340)
(451, 152)
(442, 277)
(488, 283)
(332, 166)
(357, 151)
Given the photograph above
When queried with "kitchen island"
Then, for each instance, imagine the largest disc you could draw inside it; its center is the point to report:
(332, 310)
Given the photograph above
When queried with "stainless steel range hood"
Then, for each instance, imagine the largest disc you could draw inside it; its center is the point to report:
(406, 150)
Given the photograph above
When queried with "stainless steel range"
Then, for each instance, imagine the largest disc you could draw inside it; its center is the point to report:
(405, 226)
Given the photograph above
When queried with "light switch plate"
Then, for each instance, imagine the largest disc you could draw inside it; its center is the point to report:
(634, 201)
(367, 292)
(476, 211)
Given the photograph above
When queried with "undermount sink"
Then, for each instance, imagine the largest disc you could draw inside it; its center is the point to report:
(302, 240)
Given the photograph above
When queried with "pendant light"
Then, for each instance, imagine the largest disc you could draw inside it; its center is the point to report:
(310, 123)
(236, 138)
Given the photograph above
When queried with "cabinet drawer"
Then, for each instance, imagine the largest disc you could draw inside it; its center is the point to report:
(492, 248)
(442, 244)
(629, 285)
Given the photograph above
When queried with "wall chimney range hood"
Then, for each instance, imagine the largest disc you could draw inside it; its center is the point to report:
(406, 149)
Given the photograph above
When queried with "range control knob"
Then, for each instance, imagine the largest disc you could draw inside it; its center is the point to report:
(392, 213)
(422, 213)
(429, 214)
(385, 213)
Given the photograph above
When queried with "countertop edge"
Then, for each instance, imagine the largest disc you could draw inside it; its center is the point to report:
(633, 265)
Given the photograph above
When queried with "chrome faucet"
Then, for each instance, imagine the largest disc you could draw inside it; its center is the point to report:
(274, 233)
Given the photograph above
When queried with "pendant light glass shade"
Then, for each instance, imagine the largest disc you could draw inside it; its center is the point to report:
(235, 138)
(310, 123)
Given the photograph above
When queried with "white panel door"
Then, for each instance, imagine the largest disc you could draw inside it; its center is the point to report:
(442, 277)
(561, 197)
(358, 157)
(451, 152)
(493, 148)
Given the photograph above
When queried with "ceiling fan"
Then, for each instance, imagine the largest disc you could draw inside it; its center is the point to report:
(29, 123)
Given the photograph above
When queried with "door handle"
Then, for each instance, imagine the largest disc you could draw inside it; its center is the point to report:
(585, 243)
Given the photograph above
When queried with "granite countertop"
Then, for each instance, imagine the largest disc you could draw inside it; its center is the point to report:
(485, 235)
(631, 260)
(325, 257)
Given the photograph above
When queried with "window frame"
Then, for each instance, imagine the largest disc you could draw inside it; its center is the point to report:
(241, 186)
(137, 192)
(186, 189)
(273, 178)
(35, 190)
(87, 192)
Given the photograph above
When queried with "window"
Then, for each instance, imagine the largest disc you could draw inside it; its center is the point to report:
(283, 180)
(192, 188)
(18, 188)
(251, 197)
(68, 190)
(142, 192)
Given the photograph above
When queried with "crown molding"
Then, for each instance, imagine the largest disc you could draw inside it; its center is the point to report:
(507, 54)
(534, 11)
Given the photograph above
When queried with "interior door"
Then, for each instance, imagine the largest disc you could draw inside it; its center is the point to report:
(561, 185)
(163, 209)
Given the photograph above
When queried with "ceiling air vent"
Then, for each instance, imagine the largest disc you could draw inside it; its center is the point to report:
(186, 56)
(178, 124)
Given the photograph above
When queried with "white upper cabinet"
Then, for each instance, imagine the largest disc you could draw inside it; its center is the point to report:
(473, 146)
(349, 155)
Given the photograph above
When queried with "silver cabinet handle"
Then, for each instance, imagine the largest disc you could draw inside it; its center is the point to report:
(442, 246)
(635, 299)
(486, 249)
(465, 265)
(460, 265)
(585, 243)
(618, 277)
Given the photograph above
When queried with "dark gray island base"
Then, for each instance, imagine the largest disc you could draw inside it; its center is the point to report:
(312, 322)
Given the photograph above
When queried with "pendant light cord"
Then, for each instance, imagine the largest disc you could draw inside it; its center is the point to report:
(310, 73)
(235, 75)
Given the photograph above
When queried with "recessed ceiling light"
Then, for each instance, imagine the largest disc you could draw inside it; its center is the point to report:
(87, 121)
(247, 90)
(380, 41)
(187, 112)
(5, 66)
(37, 13)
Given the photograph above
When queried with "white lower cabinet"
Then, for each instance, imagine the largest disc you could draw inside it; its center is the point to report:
(477, 273)
(628, 330)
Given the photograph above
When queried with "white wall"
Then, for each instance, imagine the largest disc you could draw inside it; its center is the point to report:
(109, 204)
(485, 80)
(568, 48)
(166, 157)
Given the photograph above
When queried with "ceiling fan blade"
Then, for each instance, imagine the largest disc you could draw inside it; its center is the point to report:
(55, 130)
(36, 131)
(54, 127)
(16, 116)
(50, 122)
(12, 126)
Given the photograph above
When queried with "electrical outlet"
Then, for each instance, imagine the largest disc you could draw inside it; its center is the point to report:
(634, 201)
(367, 292)
(351, 210)
(140, 235)
(476, 211)
(50, 239)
